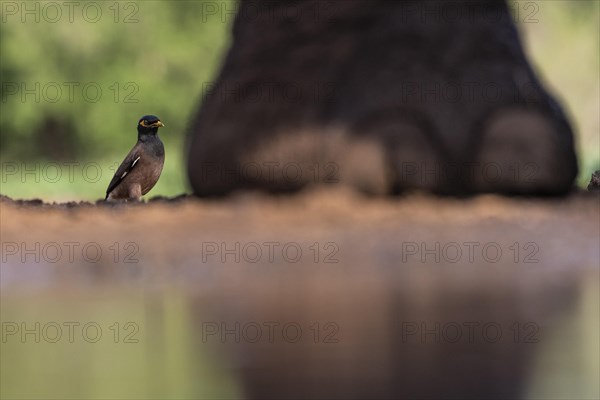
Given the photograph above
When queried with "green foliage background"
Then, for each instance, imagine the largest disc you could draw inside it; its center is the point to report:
(164, 50)
(160, 53)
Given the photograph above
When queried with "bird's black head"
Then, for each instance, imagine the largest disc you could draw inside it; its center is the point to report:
(148, 125)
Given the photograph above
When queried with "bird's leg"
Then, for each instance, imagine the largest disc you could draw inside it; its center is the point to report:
(135, 192)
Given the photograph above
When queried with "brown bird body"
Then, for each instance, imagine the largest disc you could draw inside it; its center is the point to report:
(142, 167)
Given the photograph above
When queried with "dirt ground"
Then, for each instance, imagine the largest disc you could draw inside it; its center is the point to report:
(390, 282)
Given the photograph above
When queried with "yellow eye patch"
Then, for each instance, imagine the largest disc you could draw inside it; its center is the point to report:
(143, 123)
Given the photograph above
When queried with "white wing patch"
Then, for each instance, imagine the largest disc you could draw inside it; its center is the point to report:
(132, 165)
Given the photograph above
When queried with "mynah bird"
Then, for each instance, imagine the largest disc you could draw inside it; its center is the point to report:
(140, 170)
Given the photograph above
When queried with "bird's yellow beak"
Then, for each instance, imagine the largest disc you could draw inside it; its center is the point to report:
(159, 124)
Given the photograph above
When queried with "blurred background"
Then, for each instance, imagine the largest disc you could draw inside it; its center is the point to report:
(76, 79)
